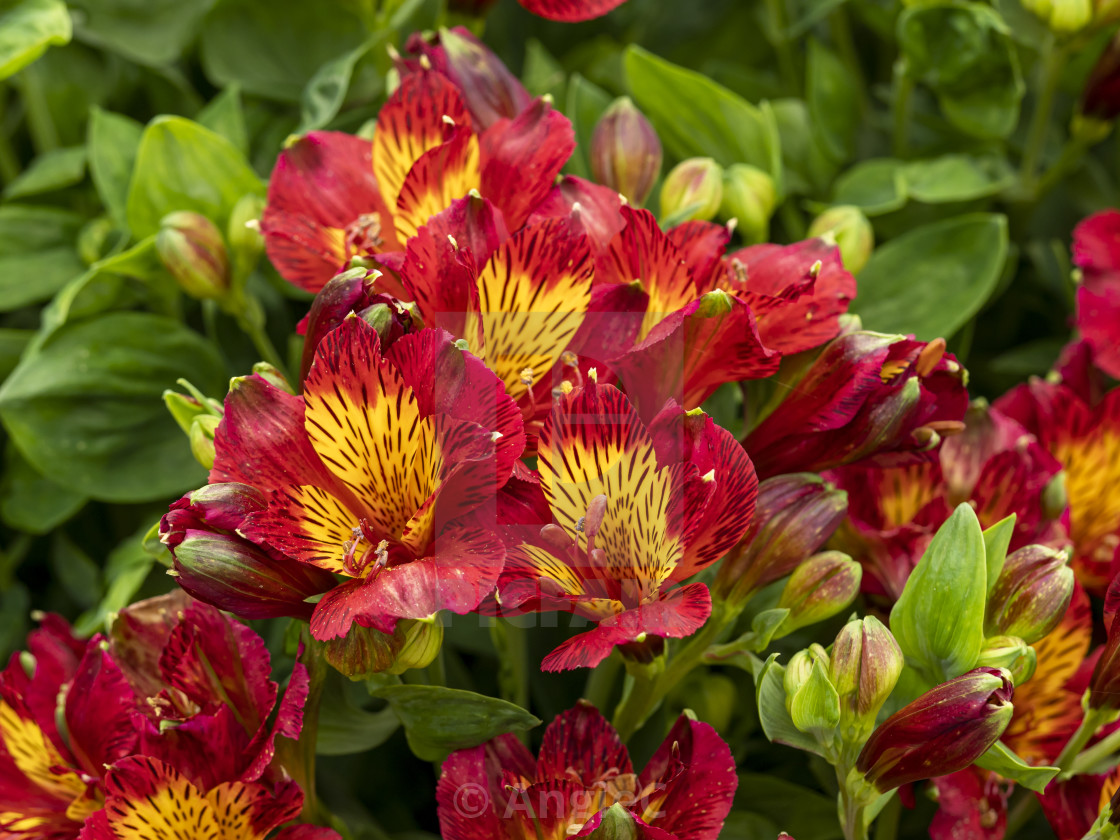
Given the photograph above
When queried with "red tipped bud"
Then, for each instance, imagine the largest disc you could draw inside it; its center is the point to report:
(865, 665)
(192, 250)
(626, 152)
(793, 516)
(693, 189)
(819, 588)
(943, 731)
(1031, 594)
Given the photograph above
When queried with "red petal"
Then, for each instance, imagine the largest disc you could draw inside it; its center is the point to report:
(1096, 242)
(471, 795)
(1098, 319)
(581, 741)
(99, 710)
(972, 805)
(570, 11)
(597, 209)
(702, 245)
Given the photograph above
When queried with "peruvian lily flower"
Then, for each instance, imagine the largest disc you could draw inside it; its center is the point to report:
(570, 11)
(367, 471)
(867, 395)
(1096, 251)
(1085, 439)
(333, 197)
(145, 797)
(894, 511)
(637, 509)
(498, 791)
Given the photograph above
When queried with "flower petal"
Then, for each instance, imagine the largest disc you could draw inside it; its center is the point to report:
(570, 11)
(581, 743)
(441, 175)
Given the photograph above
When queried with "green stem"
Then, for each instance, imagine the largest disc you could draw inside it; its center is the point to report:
(1020, 814)
(513, 662)
(1070, 156)
(852, 807)
(1053, 64)
(787, 60)
(298, 757)
(900, 110)
(600, 682)
(637, 702)
(1093, 720)
(1089, 758)
(254, 328)
(840, 27)
(886, 827)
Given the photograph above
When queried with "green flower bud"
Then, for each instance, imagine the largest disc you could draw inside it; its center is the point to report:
(201, 437)
(692, 190)
(1010, 653)
(615, 823)
(811, 700)
(191, 249)
(422, 640)
(865, 665)
(1031, 594)
(851, 231)
(749, 197)
(1062, 16)
(819, 588)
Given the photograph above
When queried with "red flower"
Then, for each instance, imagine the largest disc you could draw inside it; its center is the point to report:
(637, 510)
(1096, 251)
(366, 473)
(570, 11)
(498, 792)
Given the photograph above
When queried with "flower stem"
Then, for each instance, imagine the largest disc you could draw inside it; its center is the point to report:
(1093, 720)
(298, 757)
(900, 110)
(254, 329)
(513, 662)
(852, 806)
(1054, 62)
(1020, 814)
(1087, 759)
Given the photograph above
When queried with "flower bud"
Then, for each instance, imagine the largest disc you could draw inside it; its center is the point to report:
(943, 731)
(423, 638)
(865, 665)
(191, 249)
(365, 651)
(850, 230)
(1010, 653)
(625, 152)
(186, 408)
(202, 438)
(1031, 594)
(273, 376)
(1104, 684)
(244, 236)
(693, 189)
(615, 823)
(216, 565)
(819, 588)
(811, 699)
(1062, 16)
(749, 197)
(793, 516)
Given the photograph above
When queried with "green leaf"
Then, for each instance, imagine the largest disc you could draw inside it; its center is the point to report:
(223, 115)
(800, 811)
(27, 28)
(875, 186)
(1002, 760)
(272, 49)
(957, 177)
(964, 53)
(326, 90)
(765, 625)
(931, 280)
(585, 104)
(695, 117)
(834, 104)
(345, 729)
(72, 567)
(806, 166)
(50, 171)
(997, 539)
(37, 256)
(12, 345)
(113, 141)
(182, 166)
(542, 73)
(85, 409)
(152, 32)
(776, 722)
(31, 503)
(126, 569)
(938, 620)
(438, 721)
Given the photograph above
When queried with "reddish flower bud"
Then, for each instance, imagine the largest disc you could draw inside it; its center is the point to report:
(943, 731)
(1031, 594)
(819, 588)
(693, 189)
(793, 516)
(866, 663)
(626, 152)
(1104, 685)
(216, 565)
(192, 250)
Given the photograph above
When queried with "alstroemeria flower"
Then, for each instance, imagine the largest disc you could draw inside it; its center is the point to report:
(1085, 438)
(516, 300)
(332, 196)
(867, 395)
(570, 11)
(1096, 251)
(147, 798)
(894, 511)
(636, 511)
(498, 791)
(367, 472)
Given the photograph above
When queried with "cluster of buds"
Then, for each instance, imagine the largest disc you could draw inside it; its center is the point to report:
(198, 416)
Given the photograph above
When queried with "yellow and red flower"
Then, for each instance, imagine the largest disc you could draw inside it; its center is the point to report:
(637, 509)
(367, 472)
(333, 196)
(498, 791)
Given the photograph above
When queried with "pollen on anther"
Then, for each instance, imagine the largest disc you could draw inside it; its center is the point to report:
(593, 374)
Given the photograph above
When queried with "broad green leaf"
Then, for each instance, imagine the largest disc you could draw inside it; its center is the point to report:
(1002, 760)
(53, 170)
(800, 811)
(963, 52)
(777, 724)
(183, 166)
(272, 49)
(957, 177)
(438, 721)
(113, 142)
(152, 32)
(806, 166)
(931, 280)
(938, 620)
(31, 503)
(85, 409)
(585, 104)
(833, 97)
(27, 28)
(345, 729)
(875, 186)
(223, 115)
(695, 117)
(37, 255)
(326, 91)
(997, 539)
(765, 625)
